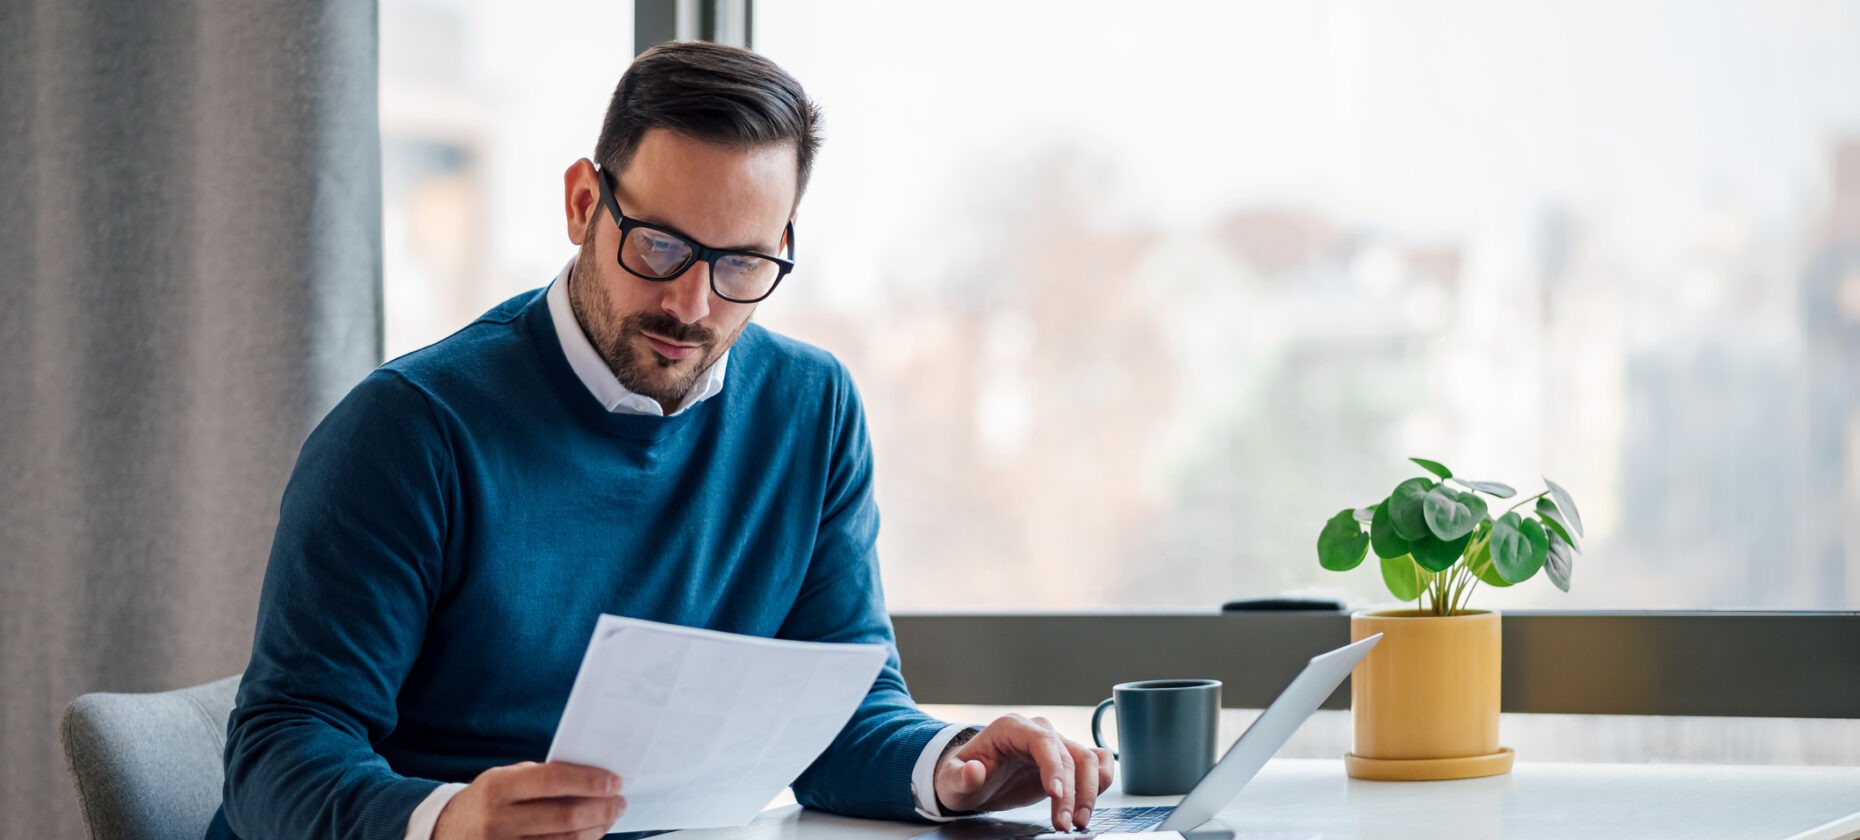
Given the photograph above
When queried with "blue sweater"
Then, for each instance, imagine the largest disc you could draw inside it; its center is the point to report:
(456, 524)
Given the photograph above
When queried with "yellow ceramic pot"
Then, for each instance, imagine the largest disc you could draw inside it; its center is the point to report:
(1425, 700)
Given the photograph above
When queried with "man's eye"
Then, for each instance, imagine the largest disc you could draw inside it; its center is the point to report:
(656, 254)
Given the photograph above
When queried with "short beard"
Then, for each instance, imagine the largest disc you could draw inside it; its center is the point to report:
(615, 345)
(624, 361)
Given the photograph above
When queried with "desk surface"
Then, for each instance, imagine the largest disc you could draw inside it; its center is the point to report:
(1310, 798)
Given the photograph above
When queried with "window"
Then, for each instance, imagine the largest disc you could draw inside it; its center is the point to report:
(1138, 295)
(1137, 298)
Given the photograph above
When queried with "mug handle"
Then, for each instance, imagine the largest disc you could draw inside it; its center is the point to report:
(1097, 736)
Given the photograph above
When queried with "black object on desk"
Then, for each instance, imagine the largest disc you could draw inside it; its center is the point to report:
(1283, 604)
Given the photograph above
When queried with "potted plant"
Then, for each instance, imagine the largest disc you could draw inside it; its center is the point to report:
(1425, 702)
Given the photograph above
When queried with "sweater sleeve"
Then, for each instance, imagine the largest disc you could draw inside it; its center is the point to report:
(354, 571)
(866, 771)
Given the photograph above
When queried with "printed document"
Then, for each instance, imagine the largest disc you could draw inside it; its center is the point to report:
(705, 728)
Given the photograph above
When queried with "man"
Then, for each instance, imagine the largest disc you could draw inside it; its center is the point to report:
(623, 441)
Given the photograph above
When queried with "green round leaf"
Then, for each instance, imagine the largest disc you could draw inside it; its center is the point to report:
(1434, 467)
(1402, 576)
(1553, 519)
(1342, 544)
(1382, 536)
(1502, 491)
(1557, 565)
(1476, 505)
(1406, 508)
(1539, 539)
(1567, 504)
(1514, 552)
(1450, 513)
(1508, 544)
(1437, 555)
(1482, 567)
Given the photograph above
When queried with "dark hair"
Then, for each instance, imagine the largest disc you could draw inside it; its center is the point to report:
(709, 92)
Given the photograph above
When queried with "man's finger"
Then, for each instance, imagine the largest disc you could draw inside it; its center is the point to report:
(1086, 782)
(588, 834)
(960, 784)
(956, 777)
(974, 775)
(571, 815)
(555, 780)
(585, 834)
(1056, 772)
(1107, 768)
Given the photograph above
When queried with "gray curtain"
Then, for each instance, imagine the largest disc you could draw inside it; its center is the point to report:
(191, 252)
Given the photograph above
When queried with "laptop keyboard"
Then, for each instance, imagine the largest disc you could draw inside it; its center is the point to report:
(1103, 821)
(1127, 820)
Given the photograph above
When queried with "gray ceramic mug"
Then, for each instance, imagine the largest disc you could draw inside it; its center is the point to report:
(1166, 732)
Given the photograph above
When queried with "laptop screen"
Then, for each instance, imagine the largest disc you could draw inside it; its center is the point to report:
(1268, 733)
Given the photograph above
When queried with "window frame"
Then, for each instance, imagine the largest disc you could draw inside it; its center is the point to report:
(1687, 663)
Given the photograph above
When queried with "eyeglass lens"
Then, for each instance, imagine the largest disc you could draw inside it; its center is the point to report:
(656, 253)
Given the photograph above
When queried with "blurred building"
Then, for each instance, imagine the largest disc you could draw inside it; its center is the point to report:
(1830, 315)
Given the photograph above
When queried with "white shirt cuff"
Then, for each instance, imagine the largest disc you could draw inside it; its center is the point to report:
(923, 775)
(426, 817)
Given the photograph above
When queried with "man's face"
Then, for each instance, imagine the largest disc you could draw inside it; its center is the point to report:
(657, 337)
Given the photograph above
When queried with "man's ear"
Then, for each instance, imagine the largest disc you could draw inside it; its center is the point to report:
(581, 198)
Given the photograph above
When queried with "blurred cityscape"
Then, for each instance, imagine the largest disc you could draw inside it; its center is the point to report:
(1122, 347)
(1079, 408)
(1144, 417)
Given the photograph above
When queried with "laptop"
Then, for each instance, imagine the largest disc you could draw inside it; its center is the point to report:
(1223, 781)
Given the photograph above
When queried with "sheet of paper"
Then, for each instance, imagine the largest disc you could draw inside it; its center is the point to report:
(705, 728)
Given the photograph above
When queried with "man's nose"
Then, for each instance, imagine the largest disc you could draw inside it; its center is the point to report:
(687, 297)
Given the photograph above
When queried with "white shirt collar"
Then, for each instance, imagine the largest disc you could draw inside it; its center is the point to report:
(599, 379)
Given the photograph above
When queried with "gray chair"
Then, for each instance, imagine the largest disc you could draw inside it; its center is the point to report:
(148, 766)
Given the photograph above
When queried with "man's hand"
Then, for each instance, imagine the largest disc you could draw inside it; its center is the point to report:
(1017, 761)
(533, 800)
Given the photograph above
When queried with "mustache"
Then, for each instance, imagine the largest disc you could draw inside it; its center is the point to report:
(665, 325)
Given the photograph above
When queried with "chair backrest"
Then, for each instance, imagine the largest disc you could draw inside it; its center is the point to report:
(149, 766)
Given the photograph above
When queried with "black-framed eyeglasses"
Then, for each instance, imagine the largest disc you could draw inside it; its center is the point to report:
(650, 252)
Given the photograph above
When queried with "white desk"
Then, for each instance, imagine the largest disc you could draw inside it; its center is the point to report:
(1308, 799)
